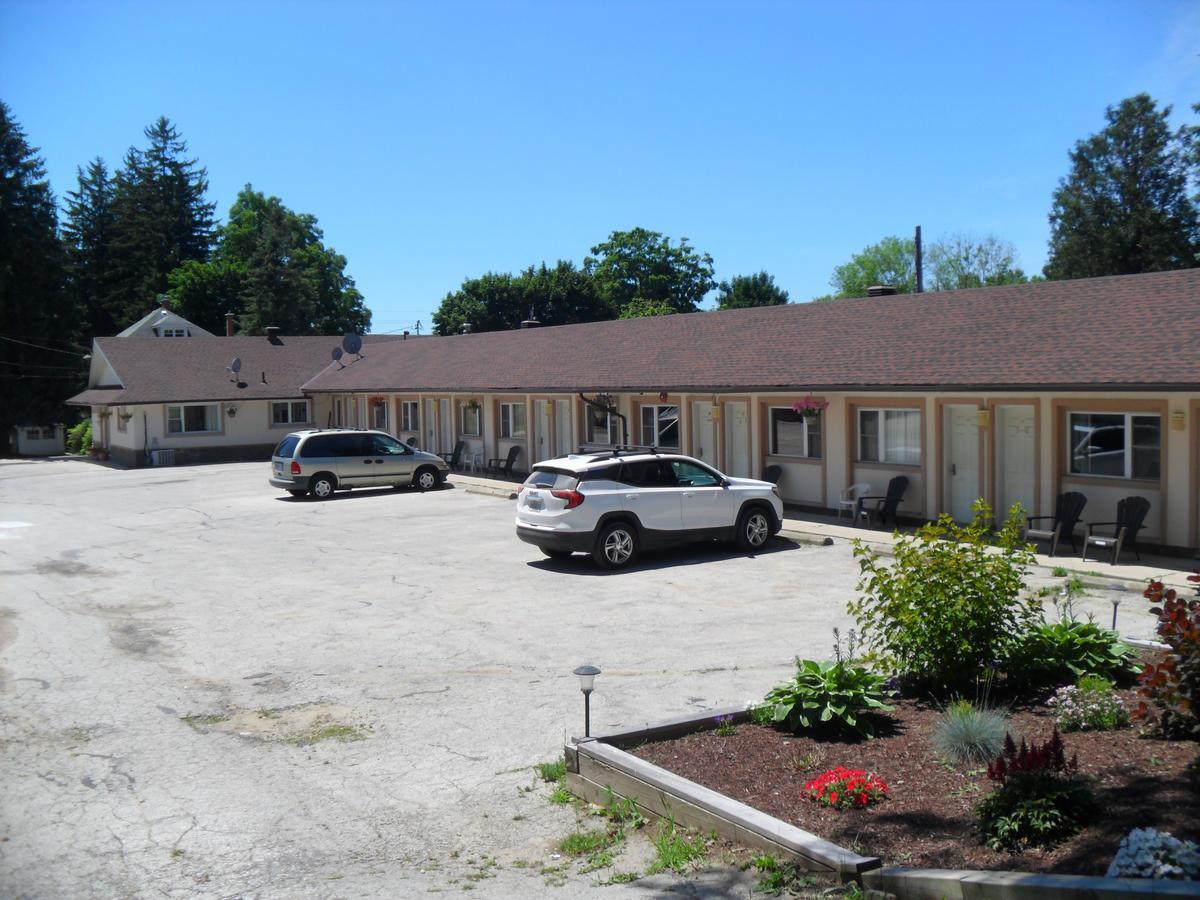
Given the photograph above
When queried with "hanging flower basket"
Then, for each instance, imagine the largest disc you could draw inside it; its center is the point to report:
(810, 406)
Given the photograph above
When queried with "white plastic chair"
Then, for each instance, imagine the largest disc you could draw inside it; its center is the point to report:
(848, 500)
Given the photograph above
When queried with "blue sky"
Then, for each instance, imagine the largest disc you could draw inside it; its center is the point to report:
(437, 141)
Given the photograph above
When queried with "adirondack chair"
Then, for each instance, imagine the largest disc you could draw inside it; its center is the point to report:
(503, 466)
(1131, 515)
(1067, 510)
(454, 460)
(884, 506)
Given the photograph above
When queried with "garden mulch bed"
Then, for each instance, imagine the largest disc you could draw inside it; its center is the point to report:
(928, 821)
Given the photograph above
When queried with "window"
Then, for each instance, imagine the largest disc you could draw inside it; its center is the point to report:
(289, 412)
(123, 417)
(660, 426)
(647, 473)
(194, 418)
(470, 418)
(602, 427)
(512, 420)
(379, 414)
(1116, 445)
(889, 435)
(691, 475)
(39, 434)
(410, 411)
(794, 435)
(383, 445)
(172, 332)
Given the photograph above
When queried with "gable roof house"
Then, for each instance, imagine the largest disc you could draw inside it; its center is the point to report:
(159, 401)
(1013, 394)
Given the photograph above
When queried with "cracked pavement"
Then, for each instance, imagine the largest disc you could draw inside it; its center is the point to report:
(135, 606)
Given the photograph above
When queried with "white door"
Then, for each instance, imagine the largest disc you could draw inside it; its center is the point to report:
(545, 433)
(562, 427)
(430, 423)
(1014, 459)
(960, 431)
(704, 433)
(447, 423)
(737, 439)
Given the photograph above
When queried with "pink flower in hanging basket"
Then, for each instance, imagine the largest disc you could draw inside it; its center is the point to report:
(809, 406)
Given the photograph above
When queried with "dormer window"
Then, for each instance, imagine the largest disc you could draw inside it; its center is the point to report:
(172, 332)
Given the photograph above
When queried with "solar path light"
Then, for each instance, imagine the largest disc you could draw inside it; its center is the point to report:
(587, 677)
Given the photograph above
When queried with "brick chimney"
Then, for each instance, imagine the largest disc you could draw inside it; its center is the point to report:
(230, 324)
(273, 334)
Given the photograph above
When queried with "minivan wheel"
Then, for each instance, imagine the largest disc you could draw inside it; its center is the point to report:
(322, 486)
(753, 529)
(616, 546)
(426, 478)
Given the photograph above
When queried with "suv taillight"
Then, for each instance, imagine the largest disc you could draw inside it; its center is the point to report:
(295, 467)
(573, 498)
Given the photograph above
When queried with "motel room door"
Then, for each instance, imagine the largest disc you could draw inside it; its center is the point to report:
(545, 432)
(960, 450)
(1014, 459)
(562, 427)
(737, 439)
(704, 433)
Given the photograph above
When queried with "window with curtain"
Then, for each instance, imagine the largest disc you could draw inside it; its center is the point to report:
(794, 435)
(890, 436)
(409, 415)
(193, 418)
(512, 420)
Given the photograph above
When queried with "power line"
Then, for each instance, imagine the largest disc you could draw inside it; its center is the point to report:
(42, 346)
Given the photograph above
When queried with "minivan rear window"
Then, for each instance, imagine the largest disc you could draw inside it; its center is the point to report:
(552, 480)
(287, 447)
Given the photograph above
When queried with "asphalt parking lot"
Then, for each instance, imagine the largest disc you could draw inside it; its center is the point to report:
(185, 652)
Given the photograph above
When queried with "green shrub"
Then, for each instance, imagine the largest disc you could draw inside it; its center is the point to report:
(1040, 799)
(1053, 653)
(967, 734)
(949, 603)
(829, 695)
(79, 438)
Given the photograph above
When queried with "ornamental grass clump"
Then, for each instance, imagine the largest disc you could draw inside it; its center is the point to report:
(968, 734)
(950, 600)
(1040, 798)
(843, 788)
(1089, 705)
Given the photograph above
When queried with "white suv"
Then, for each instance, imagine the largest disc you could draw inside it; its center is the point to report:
(612, 504)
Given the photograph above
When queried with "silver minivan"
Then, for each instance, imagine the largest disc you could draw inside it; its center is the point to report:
(322, 461)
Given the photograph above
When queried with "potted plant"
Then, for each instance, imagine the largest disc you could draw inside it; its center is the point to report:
(809, 406)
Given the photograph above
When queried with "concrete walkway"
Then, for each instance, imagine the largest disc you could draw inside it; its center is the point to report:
(1172, 571)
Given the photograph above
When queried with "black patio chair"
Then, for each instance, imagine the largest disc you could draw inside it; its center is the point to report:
(772, 474)
(412, 442)
(454, 460)
(503, 466)
(885, 506)
(1067, 510)
(1131, 515)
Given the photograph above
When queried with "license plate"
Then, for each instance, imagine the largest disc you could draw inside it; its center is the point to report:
(278, 468)
(536, 504)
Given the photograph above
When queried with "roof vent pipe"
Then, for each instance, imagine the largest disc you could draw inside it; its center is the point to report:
(404, 337)
(881, 290)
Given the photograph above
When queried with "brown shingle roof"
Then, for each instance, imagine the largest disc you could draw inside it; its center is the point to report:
(1134, 332)
(180, 370)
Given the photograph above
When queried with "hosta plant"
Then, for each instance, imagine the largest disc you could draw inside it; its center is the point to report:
(1056, 653)
(844, 788)
(1040, 798)
(829, 696)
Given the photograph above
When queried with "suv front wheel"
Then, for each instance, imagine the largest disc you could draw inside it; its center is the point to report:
(753, 529)
(616, 547)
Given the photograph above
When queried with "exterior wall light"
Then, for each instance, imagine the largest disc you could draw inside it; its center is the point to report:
(1177, 420)
(983, 417)
(587, 678)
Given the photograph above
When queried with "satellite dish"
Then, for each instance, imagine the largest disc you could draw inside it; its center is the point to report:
(336, 353)
(236, 365)
(352, 343)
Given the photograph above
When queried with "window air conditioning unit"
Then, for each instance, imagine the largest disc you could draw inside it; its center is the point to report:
(162, 457)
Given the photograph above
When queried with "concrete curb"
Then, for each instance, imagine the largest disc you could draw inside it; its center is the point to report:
(967, 884)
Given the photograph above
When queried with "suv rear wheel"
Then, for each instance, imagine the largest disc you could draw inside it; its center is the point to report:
(753, 529)
(616, 547)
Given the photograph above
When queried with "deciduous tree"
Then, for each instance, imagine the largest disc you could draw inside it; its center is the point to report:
(644, 264)
(742, 291)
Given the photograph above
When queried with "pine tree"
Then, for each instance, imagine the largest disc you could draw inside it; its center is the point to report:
(34, 308)
(87, 235)
(1124, 206)
(160, 221)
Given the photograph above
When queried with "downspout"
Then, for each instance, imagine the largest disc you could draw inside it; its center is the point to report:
(612, 411)
(145, 439)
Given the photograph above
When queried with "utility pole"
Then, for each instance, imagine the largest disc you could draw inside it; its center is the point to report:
(920, 279)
